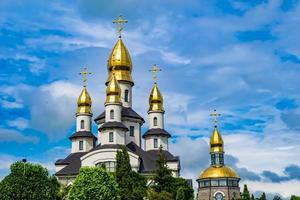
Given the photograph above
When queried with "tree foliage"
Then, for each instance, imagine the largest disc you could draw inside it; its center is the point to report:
(131, 185)
(29, 181)
(93, 183)
(276, 197)
(294, 197)
(163, 195)
(263, 196)
(246, 193)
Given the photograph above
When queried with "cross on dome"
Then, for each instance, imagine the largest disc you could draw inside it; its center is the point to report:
(155, 70)
(215, 115)
(120, 21)
(84, 73)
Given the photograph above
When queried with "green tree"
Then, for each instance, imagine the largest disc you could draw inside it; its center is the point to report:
(276, 197)
(246, 193)
(163, 176)
(294, 197)
(180, 194)
(163, 195)
(131, 185)
(28, 181)
(263, 196)
(182, 185)
(93, 183)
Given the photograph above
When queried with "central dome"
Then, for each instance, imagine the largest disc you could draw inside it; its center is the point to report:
(218, 172)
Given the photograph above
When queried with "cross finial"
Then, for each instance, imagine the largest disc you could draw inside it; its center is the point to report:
(215, 115)
(155, 70)
(120, 21)
(84, 73)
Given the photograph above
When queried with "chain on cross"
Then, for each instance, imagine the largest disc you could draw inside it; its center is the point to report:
(120, 21)
(84, 73)
(215, 115)
(155, 70)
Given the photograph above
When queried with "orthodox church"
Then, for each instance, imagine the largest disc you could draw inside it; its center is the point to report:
(119, 125)
(218, 181)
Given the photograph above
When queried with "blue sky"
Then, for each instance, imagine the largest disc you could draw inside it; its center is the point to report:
(239, 57)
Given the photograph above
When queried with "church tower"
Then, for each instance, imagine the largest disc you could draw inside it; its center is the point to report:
(83, 139)
(156, 136)
(218, 182)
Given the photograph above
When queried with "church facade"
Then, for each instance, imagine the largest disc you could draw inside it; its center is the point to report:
(119, 125)
(218, 181)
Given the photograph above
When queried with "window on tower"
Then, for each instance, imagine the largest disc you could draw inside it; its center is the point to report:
(126, 96)
(155, 143)
(110, 166)
(111, 137)
(82, 124)
(111, 114)
(155, 121)
(80, 145)
(131, 131)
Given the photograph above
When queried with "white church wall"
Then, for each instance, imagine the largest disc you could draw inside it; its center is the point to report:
(161, 141)
(88, 144)
(117, 112)
(87, 122)
(137, 132)
(118, 136)
(160, 121)
(59, 167)
(126, 86)
(174, 167)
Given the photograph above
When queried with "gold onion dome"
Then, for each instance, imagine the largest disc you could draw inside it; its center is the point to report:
(216, 142)
(113, 90)
(218, 172)
(156, 100)
(120, 62)
(84, 102)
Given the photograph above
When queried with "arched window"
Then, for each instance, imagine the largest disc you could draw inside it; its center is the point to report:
(82, 124)
(155, 121)
(112, 113)
(126, 96)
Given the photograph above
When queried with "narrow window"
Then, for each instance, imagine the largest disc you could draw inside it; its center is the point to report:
(126, 95)
(82, 124)
(131, 131)
(112, 113)
(155, 121)
(80, 145)
(155, 143)
(111, 137)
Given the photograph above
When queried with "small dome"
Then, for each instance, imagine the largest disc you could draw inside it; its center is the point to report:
(218, 172)
(216, 142)
(155, 100)
(113, 91)
(120, 62)
(84, 102)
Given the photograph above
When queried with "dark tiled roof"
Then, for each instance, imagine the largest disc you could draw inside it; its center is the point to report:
(156, 131)
(126, 112)
(113, 125)
(73, 163)
(83, 134)
(148, 158)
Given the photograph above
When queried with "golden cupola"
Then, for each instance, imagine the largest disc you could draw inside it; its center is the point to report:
(113, 90)
(156, 100)
(120, 62)
(216, 142)
(84, 102)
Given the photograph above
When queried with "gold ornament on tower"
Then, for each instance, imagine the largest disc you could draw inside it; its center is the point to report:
(156, 99)
(84, 102)
(119, 60)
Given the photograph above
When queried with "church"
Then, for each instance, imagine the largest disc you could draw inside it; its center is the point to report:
(119, 125)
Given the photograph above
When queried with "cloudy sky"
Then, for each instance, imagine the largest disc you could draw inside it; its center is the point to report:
(239, 57)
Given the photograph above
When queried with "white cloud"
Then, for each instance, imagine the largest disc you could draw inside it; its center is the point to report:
(7, 135)
(11, 105)
(19, 123)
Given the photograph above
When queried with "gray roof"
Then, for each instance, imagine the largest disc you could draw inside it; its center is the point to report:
(108, 125)
(147, 158)
(157, 132)
(79, 134)
(126, 112)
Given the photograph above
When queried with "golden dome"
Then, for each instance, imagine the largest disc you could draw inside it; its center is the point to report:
(156, 100)
(120, 62)
(218, 172)
(113, 90)
(216, 142)
(84, 102)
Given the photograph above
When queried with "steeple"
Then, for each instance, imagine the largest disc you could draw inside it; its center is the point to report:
(84, 102)
(113, 90)
(155, 98)
(119, 60)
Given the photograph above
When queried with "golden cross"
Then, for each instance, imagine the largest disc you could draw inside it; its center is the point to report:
(84, 73)
(216, 115)
(120, 21)
(155, 69)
